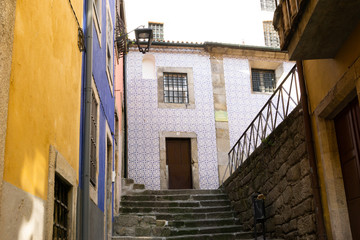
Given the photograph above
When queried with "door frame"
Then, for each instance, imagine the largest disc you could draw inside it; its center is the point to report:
(330, 165)
(164, 172)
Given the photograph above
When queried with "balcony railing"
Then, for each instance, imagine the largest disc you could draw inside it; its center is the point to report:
(285, 98)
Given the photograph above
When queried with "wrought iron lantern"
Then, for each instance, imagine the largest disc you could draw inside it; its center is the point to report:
(144, 37)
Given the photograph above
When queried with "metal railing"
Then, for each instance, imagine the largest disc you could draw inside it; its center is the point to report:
(285, 98)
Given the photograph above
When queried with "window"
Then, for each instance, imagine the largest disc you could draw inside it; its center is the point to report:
(267, 5)
(97, 18)
(61, 209)
(263, 80)
(176, 88)
(93, 139)
(109, 48)
(158, 30)
(270, 35)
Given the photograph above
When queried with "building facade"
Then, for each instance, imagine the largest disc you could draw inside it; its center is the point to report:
(44, 69)
(41, 127)
(330, 64)
(98, 123)
(197, 97)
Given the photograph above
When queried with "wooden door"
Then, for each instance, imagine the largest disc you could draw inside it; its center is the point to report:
(178, 159)
(347, 125)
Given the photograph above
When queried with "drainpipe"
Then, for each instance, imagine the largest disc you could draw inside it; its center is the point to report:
(125, 120)
(321, 232)
(85, 196)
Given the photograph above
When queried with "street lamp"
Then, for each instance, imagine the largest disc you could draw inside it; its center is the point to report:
(144, 37)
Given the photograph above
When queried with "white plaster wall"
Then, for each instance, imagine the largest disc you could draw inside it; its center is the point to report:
(22, 217)
(242, 104)
(146, 120)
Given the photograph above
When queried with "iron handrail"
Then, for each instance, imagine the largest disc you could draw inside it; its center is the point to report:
(284, 99)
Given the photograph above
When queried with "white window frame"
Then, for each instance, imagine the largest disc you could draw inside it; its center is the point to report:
(109, 48)
(94, 189)
(97, 12)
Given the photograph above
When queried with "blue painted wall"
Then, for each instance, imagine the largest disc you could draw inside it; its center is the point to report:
(107, 102)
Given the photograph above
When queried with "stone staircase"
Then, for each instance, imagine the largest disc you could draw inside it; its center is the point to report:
(177, 214)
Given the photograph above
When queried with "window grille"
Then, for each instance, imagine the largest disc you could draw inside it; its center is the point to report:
(270, 35)
(176, 88)
(263, 80)
(61, 209)
(158, 30)
(93, 139)
(267, 5)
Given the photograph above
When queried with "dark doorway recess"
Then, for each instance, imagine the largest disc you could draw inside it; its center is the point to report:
(347, 125)
(178, 159)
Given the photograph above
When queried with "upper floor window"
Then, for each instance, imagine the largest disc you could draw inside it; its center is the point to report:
(267, 5)
(270, 35)
(109, 48)
(158, 30)
(263, 80)
(97, 19)
(176, 88)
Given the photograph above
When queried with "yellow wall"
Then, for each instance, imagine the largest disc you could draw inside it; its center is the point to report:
(45, 88)
(321, 75)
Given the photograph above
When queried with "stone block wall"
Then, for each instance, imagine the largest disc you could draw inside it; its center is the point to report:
(280, 170)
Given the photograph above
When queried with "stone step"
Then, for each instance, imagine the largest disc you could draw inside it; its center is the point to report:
(127, 181)
(205, 230)
(185, 216)
(200, 203)
(203, 223)
(214, 236)
(179, 191)
(175, 209)
(174, 197)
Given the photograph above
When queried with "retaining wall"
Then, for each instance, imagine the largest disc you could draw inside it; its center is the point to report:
(280, 170)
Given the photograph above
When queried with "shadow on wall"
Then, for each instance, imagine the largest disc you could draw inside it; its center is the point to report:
(22, 217)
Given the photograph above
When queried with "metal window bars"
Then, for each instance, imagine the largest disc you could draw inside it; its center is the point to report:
(176, 88)
(285, 98)
(60, 225)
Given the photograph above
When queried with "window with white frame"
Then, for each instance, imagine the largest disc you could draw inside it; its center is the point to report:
(94, 138)
(158, 30)
(270, 35)
(109, 48)
(97, 13)
(267, 5)
(263, 80)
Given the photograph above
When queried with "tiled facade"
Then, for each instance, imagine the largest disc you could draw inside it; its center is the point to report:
(146, 120)
(242, 104)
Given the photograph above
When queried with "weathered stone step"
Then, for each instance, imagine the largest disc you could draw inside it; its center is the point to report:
(203, 223)
(205, 230)
(185, 216)
(214, 236)
(174, 197)
(181, 191)
(200, 203)
(175, 209)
